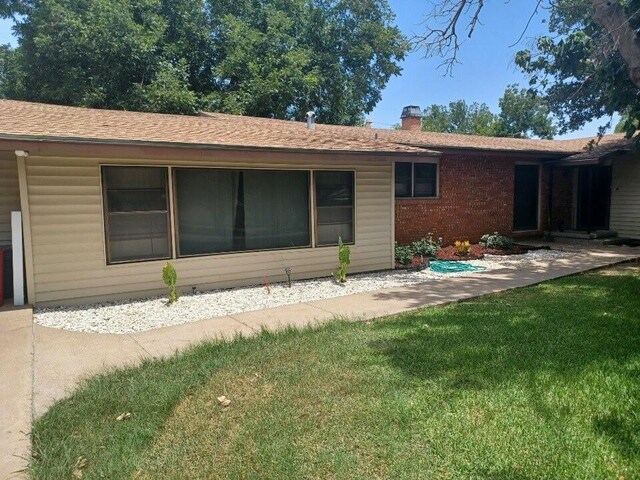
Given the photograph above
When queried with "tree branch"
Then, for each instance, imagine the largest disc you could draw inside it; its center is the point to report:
(441, 37)
(610, 15)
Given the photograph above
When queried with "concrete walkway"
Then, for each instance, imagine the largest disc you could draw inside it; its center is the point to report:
(61, 358)
(16, 359)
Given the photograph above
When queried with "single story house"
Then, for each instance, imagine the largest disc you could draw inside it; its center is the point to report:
(107, 197)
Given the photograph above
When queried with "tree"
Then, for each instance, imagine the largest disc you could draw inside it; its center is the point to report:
(283, 58)
(588, 67)
(269, 58)
(460, 117)
(522, 115)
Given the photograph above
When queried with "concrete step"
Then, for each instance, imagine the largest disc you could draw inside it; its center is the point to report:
(631, 242)
(581, 235)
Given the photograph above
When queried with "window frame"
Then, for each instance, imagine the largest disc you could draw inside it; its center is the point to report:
(413, 163)
(316, 244)
(233, 252)
(106, 213)
(172, 213)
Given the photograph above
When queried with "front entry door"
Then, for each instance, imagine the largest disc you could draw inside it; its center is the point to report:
(526, 196)
(594, 197)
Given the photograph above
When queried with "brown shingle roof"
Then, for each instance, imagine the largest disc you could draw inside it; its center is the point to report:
(42, 121)
(608, 145)
(474, 142)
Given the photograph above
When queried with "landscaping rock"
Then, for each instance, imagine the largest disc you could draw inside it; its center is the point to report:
(123, 317)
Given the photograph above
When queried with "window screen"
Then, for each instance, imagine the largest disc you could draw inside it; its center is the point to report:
(334, 207)
(403, 179)
(417, 179)
(136, 211)
(424, 179)
(220, 210)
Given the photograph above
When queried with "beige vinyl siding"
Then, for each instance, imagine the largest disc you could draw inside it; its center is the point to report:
(625, 197)
(9, 194)
(68, 232)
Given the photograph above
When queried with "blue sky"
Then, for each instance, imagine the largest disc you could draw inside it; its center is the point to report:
(487, 62)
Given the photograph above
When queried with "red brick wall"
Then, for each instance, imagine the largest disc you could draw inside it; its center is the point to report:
(476, 197)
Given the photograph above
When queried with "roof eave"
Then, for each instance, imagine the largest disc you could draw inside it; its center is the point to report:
(209, 146)
(502, 151)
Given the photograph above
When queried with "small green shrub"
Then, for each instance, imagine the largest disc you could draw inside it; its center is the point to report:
(426, 247)
(404, 254)
(170, 278)
(496, 240)
(344, 259)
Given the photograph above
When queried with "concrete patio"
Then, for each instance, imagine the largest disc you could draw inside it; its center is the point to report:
(41, 365)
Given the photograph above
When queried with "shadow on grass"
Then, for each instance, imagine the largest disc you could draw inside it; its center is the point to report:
(553, 332)
(621, 429)
(488, 341)
(528, 338)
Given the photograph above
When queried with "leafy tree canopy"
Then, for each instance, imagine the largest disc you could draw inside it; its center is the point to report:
(586, 68)
(522, 115)
(276, 58)
(579, 69)
(460, 117)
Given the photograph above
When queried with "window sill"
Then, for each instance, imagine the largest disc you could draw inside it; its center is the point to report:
(193, 258)
(437, 197)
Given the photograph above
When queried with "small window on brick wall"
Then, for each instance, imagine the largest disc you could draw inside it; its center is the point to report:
(416, 179)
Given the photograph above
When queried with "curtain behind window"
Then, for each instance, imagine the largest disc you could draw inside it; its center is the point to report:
(205, 201)
(276, 208)
(235, 210)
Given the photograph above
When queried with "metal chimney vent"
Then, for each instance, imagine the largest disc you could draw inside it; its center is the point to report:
(311, 120)
(411, 111)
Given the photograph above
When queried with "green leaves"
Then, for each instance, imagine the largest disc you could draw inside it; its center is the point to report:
(522, 114)
(460, 117)
(578, 69)
(283, 59)
(344, 259)
(168, 92)
(270, 58)
(170, 278)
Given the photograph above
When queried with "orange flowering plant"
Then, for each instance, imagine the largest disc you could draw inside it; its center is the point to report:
(462, 248)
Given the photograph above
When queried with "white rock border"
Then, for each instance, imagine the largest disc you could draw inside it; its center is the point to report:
(130, 316)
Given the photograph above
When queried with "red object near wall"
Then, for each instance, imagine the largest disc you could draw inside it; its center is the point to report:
(1, 276)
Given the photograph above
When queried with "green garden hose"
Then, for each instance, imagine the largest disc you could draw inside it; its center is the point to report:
(445, 266)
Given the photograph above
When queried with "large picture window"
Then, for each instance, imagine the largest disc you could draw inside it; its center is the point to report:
(416, 179)
(334, 207)
(136, 211)
(221, 210)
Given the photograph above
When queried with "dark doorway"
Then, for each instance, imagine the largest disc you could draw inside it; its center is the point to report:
(594, 197)
(526, 196)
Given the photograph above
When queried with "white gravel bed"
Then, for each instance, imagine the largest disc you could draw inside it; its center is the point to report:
(131, 316)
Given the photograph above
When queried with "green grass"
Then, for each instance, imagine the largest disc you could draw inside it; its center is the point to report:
(541, 382)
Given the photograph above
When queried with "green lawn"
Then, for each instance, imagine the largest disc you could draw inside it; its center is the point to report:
(542, 382)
